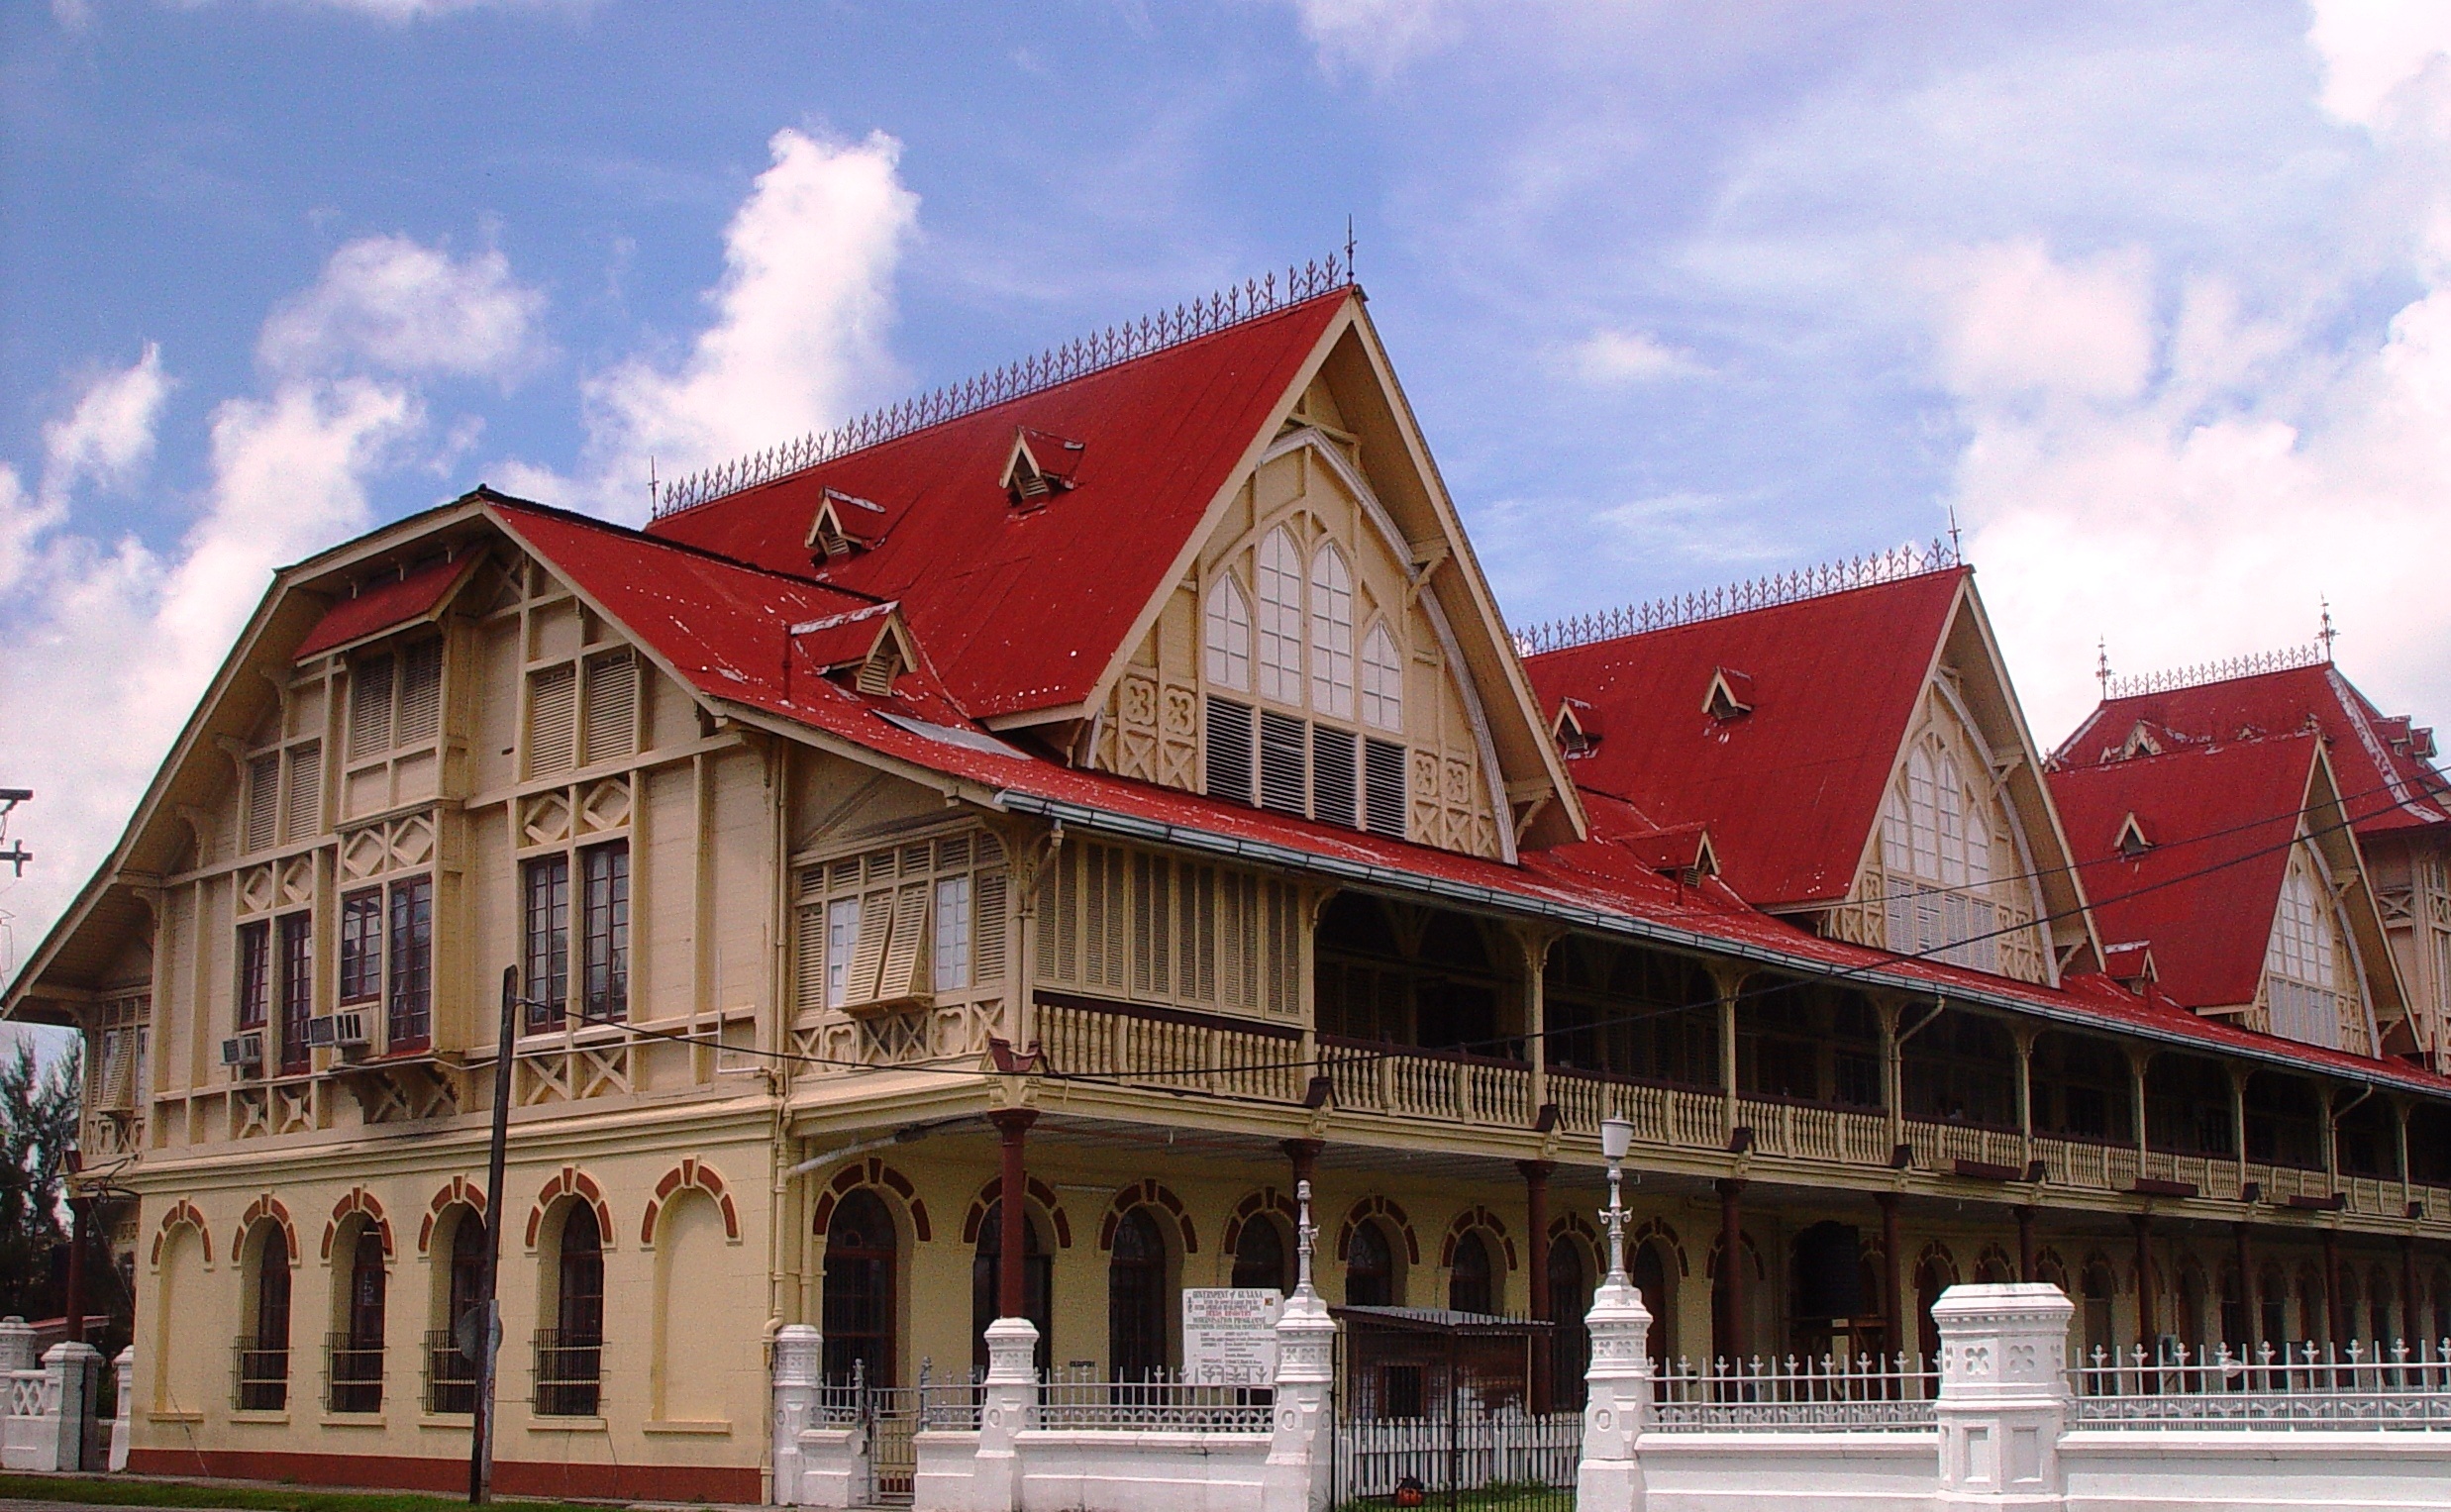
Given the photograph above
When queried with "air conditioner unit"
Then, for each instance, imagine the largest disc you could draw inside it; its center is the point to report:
(243, 1051)
(318, 1031)
(352, 1029)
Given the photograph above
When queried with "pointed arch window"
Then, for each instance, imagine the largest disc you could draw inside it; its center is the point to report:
(1940, 828)
(2301, 977)
(1331, 634)
(1382, 681)
(1280, 618)
(1228, 634)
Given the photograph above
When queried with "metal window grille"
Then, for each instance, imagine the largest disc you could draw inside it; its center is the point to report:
(568, 1373)
(352, 1374)
(261, 1376)
(451, 1377)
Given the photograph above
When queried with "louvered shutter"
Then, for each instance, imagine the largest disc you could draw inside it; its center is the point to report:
(868, 958)
(809, 958)
(907, 950)
(611, 729)
(1196, 898)
(1384, 801)
(1332, 775)
(306, 790)
(421, 694)
(1229, 749)
(1284, 782)
(987, 918)
(552, 714)
(369, 707)
(263, 801)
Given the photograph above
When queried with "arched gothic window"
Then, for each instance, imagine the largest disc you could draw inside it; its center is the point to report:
(1937, 838)
(858, 1306)
(1136, 1299)
(1369, 1267)
(1331, 634)
(1228, 634)
(2302, 981)
(1382, 681)
(1260, 1256)
(570, 1355)
(1469, 1284)
(1280, 618)
(263, 1368)
(358, 1355)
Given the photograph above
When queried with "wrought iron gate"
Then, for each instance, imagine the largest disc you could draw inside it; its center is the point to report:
(1416, 1438)
(889, 1416)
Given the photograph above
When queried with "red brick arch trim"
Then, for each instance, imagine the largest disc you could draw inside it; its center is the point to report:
(1148, 1193)
(1378, 1207)
(1040, 1193)
(266, 1208)
(689, 1175)
(1752, 1253)
(571, 1181)
(1937, 1254)
(181, 1212)
(1657, 1228)
(460, 1192)
(1465, 1223)
(871, 1172)
(1568, 1227)
(1266, 1199)
(359, 1200)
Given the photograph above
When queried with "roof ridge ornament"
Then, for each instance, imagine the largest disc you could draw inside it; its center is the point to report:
(2170, 680)
(1116, 344)
(1908, 561)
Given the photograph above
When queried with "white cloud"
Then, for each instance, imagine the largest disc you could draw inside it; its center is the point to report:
(1628, 356)
(1378, 36)
(2369, 48)
(397, 304)
(798, 330)
(2020, 323)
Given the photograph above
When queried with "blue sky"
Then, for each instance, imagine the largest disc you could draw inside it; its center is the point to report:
(2154, 299)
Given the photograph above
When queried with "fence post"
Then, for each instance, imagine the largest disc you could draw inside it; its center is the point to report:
(2004, 1396)
(1618, 1400)
(1005, 1410)
(123, 1421)
(798, 1360)
(16, 1345)
(1298, 1458)
(69, 1400)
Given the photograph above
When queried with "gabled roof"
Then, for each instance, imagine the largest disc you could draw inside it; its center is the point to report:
(1023, 609)
(1792, 789)
(2383, 776)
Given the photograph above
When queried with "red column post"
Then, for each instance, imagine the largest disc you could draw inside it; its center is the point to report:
(1536, 1220)
(1013, 1268)
(2146, 1333)
(1732, 1266)
(2026, 1243)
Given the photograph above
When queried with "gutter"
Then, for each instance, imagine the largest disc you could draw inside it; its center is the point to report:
(1387, 878)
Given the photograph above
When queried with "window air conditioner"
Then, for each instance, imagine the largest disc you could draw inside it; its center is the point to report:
(350, 1029)
(243, 1051)
(319, 1029)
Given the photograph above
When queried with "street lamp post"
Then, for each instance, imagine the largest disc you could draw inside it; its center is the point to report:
(1616, 1139)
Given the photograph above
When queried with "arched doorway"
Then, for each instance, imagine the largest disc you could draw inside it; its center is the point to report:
(1038, 1273)
(452, 1375)
(1570, 1298)
(1469, 1286)
(1935, 1274)
(263, 1372)
(1260, 1256)
(1136, 1299)
(859, 1303)
(569, 1374)
(357, 1364)
(1369, 1267)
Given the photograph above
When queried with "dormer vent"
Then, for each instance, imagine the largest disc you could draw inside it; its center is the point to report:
(1040, 465)
(2130, 965)
(1576, 728)
(2132, 840)
(2140, 741)
(1731, 696)
(843, 524)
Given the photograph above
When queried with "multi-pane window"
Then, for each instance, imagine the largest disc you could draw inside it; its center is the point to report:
(2301, 976)
(408, 1020)
(603, 946)
(361, 946)
(1331, 634)
(1280, 618)
(255, 973)
(1227, 631)
(297, 971)
(890, 925)
(1383, 681)
(605, 930)
(1945, 846)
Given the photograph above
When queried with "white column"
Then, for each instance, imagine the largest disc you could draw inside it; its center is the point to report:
(2004, 1396)
(1005, 1408)
(16, 1345)
(1298, 1458)
(798, 1354)
(68, 1402)
(122, 1423)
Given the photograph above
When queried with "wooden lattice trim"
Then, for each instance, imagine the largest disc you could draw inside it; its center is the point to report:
(357, 1200)
(571, 1181)
(690, 1175)
(1148, 1193)
(181, 1212)
(1266, 1199)
(871, 1172)
(1040, 1193)
(1378, 1207)
(458, 1192)
(266, 1208)
(1465, 1223)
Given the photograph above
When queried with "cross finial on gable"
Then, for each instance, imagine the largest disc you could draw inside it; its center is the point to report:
(2101, 666)
(2326, 634)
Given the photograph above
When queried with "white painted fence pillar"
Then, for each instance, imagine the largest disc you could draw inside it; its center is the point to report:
(1007, 1403)
(2004, 1396)
(70, 1371)
(16, 1345)
(798, 1354)
(1618, 1400)
(122, 1420)
(1298, 1449)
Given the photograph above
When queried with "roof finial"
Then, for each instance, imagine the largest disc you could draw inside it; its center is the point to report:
(1956, 552)
(2328, 633)
(1348, 278)
(2101, 666)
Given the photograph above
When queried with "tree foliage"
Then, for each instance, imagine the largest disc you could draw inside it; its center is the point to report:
(37, 1124)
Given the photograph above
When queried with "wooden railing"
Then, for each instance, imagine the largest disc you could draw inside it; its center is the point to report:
(1422, 1083)
(1939, 1147)
(1814, 1132)
(1682, 1118)
(1164, 1048)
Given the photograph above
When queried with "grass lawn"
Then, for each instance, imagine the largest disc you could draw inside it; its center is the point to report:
(129, 1491)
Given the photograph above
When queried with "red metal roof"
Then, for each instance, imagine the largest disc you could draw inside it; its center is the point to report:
(1023, 609)
(380, 606)
(2218, 820)
(2380, 778)
(1790, 791)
